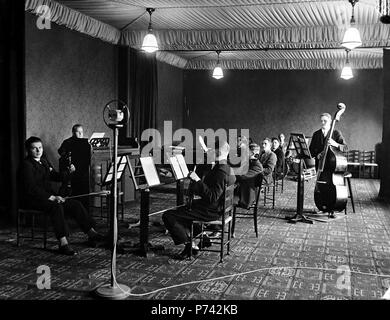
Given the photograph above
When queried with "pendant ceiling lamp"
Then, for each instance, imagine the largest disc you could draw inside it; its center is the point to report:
(150, 42)
(346, 73)
(218, 72)
(352, 38)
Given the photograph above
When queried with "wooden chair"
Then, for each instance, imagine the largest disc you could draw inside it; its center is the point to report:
(251, 212)
(353, 161)
(279, 178)
(32, 214)
(224, 221)
(368, 160)
(269, 189)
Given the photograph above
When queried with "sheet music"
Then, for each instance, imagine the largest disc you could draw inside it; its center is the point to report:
(150, 171)
(97, 135)
(183, 165)
(176, 167)
(122, 161)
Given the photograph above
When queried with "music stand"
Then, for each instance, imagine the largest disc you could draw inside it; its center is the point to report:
(303, 153)
(122, 163)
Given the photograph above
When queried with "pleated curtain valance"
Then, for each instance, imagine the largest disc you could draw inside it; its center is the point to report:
(75, 20)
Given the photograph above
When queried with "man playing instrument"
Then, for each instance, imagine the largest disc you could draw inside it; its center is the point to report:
(317, 144)
(208, 207)
(80, 157)
(37, 193)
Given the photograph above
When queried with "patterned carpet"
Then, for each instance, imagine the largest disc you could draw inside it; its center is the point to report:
(345, 259)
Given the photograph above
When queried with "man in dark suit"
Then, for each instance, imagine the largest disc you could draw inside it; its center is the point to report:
(37, 193)
(277, 149)
(247, 183)
(317, 143)
(80, 154)
(268, 160)
(208, 207)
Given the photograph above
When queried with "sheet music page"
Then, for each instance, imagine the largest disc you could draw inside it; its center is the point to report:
(97, 135)
(150, 171)
(183, 165)
(176, 167)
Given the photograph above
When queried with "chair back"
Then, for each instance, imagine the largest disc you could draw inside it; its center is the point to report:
(353, 156)
(368, 157)
(228, 196)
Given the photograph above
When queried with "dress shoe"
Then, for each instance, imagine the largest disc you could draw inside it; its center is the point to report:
(186, 253)
(66, 250)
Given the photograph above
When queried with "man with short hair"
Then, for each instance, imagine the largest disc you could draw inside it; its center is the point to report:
(247, 183)
(317, 143)
(268, 160)
(78, 150)
(208, 207)
(277, 149)
(37, 193)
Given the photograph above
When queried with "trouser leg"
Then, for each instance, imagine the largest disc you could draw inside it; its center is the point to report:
(56, 214)
(77, 211)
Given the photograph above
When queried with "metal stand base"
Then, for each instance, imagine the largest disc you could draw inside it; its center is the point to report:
(117, 292)
(141, 250)
(299, 218)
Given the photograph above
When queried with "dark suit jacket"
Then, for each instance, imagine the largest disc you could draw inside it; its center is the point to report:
(35, 180)
(268, 160)
(211, 189)
(280, 160)
(317, 142)
(80, 155)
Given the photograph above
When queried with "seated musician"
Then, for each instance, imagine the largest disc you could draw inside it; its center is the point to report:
(317, 144)
(207, 208)
(79, 151)
(246, 184)
(37, 193)
(268, 160)
(277, 149)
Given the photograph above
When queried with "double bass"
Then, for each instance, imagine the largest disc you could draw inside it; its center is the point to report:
(331, 193)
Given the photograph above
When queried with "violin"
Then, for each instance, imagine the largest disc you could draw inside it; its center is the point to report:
(331, 193)
(64, 165)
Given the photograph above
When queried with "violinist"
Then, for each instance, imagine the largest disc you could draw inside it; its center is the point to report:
(317, 144)
(37, 193)
(76, 151)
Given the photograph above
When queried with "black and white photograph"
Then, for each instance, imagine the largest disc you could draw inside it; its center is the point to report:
(195, 158)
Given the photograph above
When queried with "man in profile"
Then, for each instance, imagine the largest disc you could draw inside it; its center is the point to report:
(208, 207)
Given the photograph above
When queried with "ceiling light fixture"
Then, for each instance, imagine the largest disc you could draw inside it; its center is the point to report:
(352, 38)
(218, 72)
(346, 73)
(150, 42)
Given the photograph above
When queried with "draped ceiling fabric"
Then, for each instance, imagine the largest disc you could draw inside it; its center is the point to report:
(252, 34)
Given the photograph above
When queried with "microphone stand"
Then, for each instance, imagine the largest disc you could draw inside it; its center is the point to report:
(113, 290)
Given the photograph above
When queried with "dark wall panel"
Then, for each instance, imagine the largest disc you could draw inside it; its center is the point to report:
(170, 96)
(69, 78)
(270, 102)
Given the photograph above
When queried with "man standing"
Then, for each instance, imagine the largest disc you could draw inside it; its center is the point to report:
(317, 144)
(78, 150)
